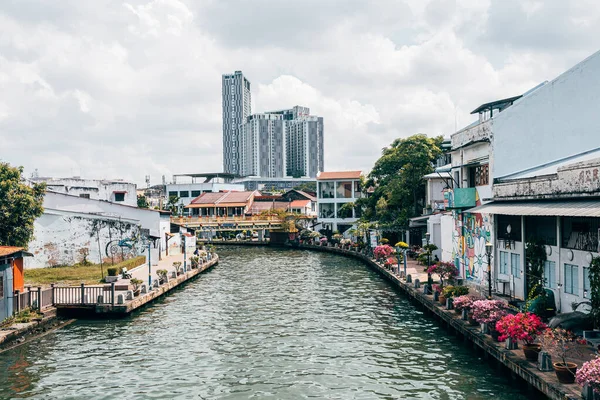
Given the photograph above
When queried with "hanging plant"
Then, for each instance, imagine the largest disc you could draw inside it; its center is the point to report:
(536, 257)
(595, 290)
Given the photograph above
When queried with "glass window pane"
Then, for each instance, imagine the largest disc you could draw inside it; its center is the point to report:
(344, 190)
(515, 267)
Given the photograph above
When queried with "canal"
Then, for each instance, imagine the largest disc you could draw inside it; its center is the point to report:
(264, 324)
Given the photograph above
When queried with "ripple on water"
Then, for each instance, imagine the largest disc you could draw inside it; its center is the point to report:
(265, 323)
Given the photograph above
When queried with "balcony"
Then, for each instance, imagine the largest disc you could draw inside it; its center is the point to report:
(479, 132)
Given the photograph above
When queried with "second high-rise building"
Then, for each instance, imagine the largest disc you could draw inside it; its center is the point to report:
(285, 143)
(237, 106)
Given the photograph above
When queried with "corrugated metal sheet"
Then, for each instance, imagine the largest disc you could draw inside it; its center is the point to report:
(576, 208)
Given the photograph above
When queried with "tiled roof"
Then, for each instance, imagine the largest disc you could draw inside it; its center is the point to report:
(299, 203)
(208, 198)
(8, 250)
(339, 175)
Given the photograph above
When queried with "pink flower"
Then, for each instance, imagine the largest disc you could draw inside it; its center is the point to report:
(488, 311)
(522, 326)
(589, 374)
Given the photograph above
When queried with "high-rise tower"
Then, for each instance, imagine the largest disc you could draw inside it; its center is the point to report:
(237, 105)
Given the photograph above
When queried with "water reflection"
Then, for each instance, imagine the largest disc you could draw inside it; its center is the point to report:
(263, 324)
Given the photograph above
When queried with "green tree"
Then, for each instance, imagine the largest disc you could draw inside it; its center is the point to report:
(307, 187)
(397, 179)
(20, 205)
(142, 202)
(172, 204)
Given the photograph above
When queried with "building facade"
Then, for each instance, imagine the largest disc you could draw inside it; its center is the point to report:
(263, 146)
(114, 191)
(237, 106)
(305, 152)
(336, 194)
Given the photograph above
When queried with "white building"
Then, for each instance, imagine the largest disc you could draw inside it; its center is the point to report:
(72, 226)
(237, 105)
(114, 191)
(334, 190)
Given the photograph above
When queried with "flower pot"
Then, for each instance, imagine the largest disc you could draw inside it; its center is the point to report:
(588, 393)
(565, 372)
(531, 351)
(493, 332)
(442, 299)
(449, 303)
(472, 321)
(465, 314)
(511, 344)
(484, 328)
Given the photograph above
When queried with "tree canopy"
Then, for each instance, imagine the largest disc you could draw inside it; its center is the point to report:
(397, 179)
(142, 201)
(20, 205)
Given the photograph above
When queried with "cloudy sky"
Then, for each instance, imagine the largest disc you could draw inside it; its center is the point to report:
(110, 88)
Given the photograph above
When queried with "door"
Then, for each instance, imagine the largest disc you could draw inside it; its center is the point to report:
(6, 282)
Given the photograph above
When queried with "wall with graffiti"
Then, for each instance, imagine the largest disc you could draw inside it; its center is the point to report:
(471, 233)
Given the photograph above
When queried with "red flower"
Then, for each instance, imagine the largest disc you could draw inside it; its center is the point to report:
(522, 326)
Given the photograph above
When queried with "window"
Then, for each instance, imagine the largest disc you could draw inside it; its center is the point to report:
(503, 262)
(84, 195)
(344, 190)
(550, 274)
(571, 279)
(172, 194)
(119, 196)
(196, 193)
(543, 228)
(586, 282)
(479, 175)
(515, 265)
(184, 193)
(580, 233)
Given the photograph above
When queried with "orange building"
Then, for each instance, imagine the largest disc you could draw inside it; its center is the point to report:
(13, 256)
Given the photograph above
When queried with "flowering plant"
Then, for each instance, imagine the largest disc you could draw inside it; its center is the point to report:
(445, 270)
(464, 301)
(389, 261)
(345, 241)
(437, 288)
(402, 245)
(560, 342)
(488, 311)
(383, 251)
(522, 326)
(589, 374)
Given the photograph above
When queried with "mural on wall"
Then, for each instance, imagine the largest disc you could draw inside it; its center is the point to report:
(471, 233)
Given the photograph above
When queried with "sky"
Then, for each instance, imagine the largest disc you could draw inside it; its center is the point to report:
(124, 89)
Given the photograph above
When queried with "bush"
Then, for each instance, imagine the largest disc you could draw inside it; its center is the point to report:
(460, 291)
(113, 271)
(448, 291)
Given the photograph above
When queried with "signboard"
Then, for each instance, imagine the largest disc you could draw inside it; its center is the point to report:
(373, 238)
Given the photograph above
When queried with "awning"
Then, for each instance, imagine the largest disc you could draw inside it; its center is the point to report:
(575, 208)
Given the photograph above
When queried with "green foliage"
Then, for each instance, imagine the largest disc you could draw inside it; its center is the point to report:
(136, 283)
(460, 291)
(20, 205)
(345, 211)
(595, 290)
(536, 257)
(398, 181)
(172, 204)
(112, 271)
(307, 187)
(142, 202)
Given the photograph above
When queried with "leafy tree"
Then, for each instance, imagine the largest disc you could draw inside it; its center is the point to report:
(172, 204)
(20, 205)
(307, 187)
(397, 179)
(142, 202)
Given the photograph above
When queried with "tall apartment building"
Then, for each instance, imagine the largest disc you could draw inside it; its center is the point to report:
(263, 146)
(284, 143)
(237, 106)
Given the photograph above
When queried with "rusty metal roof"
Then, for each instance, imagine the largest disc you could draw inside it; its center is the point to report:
(339, 175)
(8, 250)
(574, 208)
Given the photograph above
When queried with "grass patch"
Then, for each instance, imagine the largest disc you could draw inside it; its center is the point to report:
(75, 274)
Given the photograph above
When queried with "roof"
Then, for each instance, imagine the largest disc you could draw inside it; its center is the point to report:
(224, 199)
(438, 175)
(299, 203)
(339, 175)
(574, 208)
(552, 167)
(496, 104)
(305, 194)
(10, 250)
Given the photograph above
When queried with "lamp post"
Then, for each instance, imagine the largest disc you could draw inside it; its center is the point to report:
(488, 252)
(149, 268)
(429, 279)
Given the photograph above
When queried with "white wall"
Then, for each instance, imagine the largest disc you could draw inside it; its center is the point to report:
(95, 189)
(557, 120)
(203, 187)
(447, 232)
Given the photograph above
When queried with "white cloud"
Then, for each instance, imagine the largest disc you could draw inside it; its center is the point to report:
(127, 89)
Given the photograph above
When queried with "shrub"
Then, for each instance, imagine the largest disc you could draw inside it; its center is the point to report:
(488, 311)
(464, 301)
(136, 283)
(445, 270)
(589, 374)
(522, 326)
(130, 264)
(448, 291)
(383, 251)
(402, 245)
(113, 271)
(460, 291)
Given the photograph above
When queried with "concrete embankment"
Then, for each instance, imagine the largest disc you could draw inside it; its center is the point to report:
(544, 382)
(20, 333)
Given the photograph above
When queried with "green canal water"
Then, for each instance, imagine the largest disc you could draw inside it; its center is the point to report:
(263, 324)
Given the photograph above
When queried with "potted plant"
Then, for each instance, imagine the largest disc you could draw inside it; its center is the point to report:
(487, 312)
(162, 276)
(136, 285)
(113, 274)
(561, 343)
(525, 327)
(446, 293)
(177, 266)
(383, 251)
(462, 304)
(588, 376)
(194, 261)
(445, 270)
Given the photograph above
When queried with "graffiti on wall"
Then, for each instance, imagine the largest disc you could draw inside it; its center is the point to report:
(471, 233)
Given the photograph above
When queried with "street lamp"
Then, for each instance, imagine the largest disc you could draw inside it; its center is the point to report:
(488, 252)
(429, 279)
